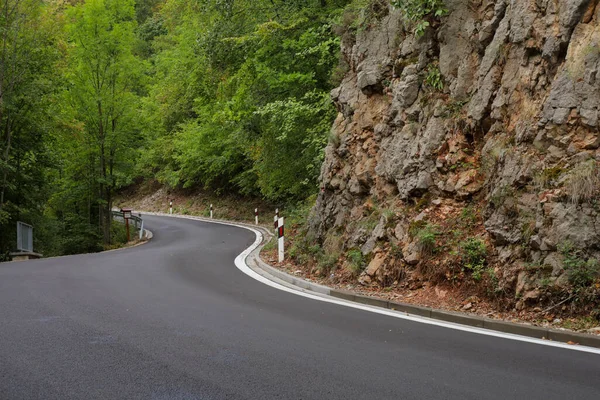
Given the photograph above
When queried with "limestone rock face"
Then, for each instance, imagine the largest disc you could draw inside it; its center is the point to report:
(511, 130)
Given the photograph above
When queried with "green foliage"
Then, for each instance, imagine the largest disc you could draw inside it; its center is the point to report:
(473, 252)
(103, 76)
(581, 272)
(28, 80)
(327, 262)
(426, 238)
(468, 215)
(119, 234)
(272, 245)
(433, 78)
(240, 96)
(421, 12)
(356, 260)
(227, 95)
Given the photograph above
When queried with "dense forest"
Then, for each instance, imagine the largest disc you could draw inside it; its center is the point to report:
(227, 95)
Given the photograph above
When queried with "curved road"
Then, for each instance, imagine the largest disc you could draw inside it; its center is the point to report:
(175, 319)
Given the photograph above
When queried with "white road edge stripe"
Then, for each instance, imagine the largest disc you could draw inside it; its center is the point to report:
(240, 263)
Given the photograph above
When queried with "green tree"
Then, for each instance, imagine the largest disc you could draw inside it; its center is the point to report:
(104, 81)
(241, 90)
(28, 50)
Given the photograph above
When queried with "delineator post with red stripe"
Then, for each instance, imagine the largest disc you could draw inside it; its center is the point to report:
(280, 240)
(256, 216)
(211, 211)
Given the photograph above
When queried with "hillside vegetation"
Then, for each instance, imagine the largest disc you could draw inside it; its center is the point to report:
(231, 96)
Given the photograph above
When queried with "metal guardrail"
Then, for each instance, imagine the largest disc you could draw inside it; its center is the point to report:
(136, 220)
(24, 237)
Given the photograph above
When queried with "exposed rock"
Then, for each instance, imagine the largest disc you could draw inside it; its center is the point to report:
(411, 253)
(518, 112)
(555, 260)
(377, 234)
(376, 263)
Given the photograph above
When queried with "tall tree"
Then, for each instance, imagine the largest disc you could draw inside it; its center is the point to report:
(242, 91)
(104, 80)
(27, 53)
(19, 41)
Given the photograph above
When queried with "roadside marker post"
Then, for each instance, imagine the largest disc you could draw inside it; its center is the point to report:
(280, 240)
(211, 211)
(256, 216)
(141, 227)
(126, 216)
(171, 207)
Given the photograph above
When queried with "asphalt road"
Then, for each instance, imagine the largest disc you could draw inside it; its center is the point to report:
(175, 319)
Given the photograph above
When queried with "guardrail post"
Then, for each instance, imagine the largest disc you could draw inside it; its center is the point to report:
(280, 240)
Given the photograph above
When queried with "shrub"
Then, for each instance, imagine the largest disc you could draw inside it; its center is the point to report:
(433, 79)
(473, 252)
(327, 261)
(426, 238)
(356, 260)
(581, 272)
(419, 11)
(118, 233)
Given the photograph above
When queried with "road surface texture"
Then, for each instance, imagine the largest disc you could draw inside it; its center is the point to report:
(175, 319)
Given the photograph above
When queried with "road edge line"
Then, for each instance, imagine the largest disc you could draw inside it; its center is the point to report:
(457, 321)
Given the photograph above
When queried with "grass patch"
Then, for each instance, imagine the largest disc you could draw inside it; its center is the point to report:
(356, 261)
(426, 238)
(583, 182)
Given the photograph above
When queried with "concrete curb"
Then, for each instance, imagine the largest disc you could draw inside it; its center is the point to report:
(255, 262)
(447, 316)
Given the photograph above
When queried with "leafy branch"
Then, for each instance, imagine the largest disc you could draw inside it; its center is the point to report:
(421, 12)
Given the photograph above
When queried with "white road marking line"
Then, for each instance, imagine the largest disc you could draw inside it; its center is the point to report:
(240, 263)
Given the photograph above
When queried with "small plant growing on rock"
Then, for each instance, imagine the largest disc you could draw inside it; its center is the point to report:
(583, 183)
(421, 12)
(581, 272)
(469, 215)
(426, 238)
(356, 260)
(473, 252)
(548, 177)
(433, 79)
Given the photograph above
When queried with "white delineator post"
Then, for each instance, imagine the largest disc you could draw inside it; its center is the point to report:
(280, 240)
(141, 228)
(171, 207)
(211, 212)
(256, 216)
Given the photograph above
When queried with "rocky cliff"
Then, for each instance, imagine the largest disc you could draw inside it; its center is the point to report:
(470, 155)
